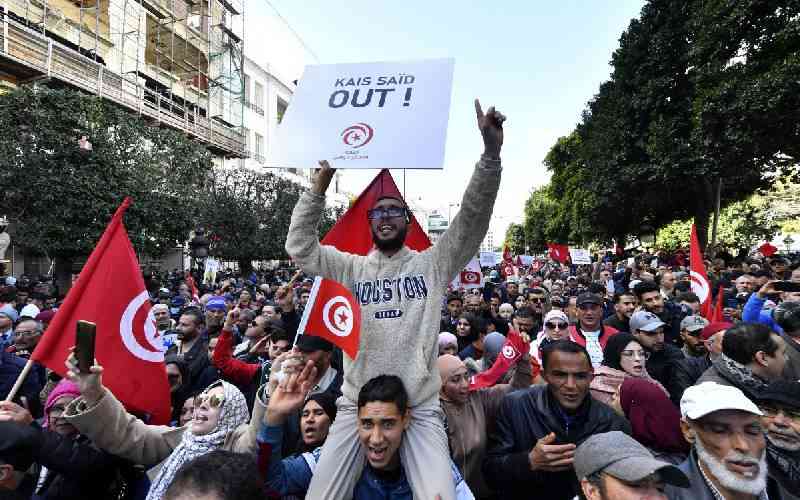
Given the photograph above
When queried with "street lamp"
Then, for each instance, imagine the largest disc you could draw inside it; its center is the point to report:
(199, 250)
(788, 241)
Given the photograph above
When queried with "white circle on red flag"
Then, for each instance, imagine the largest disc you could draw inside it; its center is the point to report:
(509, 351)
(470, 277)
(126, 328)
(338, 316)
(700, 286)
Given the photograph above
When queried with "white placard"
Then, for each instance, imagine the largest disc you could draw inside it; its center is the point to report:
(526, 260)
(368, 115)
(579, 256)
(487, 259)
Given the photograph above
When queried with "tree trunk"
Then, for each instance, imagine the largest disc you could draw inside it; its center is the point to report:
(62, 274)
(702, 213)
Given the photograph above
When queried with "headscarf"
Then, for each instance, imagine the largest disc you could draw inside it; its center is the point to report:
(655, 421)
(64, 388)
(446, 339)
(233, 414)
(492, 345)
(614, 347)
(447, 364)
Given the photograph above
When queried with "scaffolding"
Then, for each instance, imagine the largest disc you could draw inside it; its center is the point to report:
(178, 62)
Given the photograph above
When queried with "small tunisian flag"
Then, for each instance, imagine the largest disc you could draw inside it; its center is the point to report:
(767, 249)
(352, 232)
(700, 284)
(718, 313)
(333, 314)
(512, 350)
(110, 292)
(558, 252)
(470, 277)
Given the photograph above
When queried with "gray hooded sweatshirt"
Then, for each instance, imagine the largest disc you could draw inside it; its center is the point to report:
(401, 295)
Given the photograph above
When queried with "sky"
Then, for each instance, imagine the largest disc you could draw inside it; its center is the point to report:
(538, 62)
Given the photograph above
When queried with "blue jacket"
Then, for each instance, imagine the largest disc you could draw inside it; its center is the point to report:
(292, 475)
(754, 313)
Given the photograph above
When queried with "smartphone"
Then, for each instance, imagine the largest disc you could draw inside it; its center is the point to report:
(786, 286)
(84, 345)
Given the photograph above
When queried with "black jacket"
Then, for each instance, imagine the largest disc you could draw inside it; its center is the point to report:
(525, 417)
(672, 316)
(76, 469)
(684, 375)
(661, 363)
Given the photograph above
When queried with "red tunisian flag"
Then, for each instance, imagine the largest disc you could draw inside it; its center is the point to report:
(768, 249)
(718, 314)
(333, 314)
(110, 292)
(352, 233)
(512, 350)
(700, 284)
(558, 252)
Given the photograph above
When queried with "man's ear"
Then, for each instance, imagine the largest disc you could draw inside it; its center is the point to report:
(591, 491)
(761, 358)
(406, 418)
(6, 472)
(688, 433)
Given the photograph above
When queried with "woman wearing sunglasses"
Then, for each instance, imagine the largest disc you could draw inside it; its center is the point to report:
(554, 327)
(623, 358)
(220, 421)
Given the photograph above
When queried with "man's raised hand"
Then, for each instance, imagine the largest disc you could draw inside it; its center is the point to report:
(491, 126)
(322, 177)
(290, 394)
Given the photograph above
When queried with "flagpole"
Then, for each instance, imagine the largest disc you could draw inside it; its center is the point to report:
(312, 297)
(20, 380)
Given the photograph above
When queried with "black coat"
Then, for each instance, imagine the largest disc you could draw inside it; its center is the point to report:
(684, 375)
(525, 417)
(76, 469)
(661, 363)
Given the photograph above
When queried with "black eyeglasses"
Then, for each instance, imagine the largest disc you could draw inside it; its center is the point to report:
(552, 326)
(385, 212)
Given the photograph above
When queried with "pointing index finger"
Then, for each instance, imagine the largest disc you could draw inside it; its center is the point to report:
(478, 109)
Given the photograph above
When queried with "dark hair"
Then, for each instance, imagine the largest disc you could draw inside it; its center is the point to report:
(277, 333)
(566, 346)
(231, 476)
(742, 341)
(384, 389)
(645, 287)
(454, 296)
(690, 297)
(194, 313)
(523, 312)
(618, 296)
(474, 326)
(597, 287)
(614, 347)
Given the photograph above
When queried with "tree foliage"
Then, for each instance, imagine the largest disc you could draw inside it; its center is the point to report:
(700, 91)
(515, 239)
(247, 215)
(61, 197)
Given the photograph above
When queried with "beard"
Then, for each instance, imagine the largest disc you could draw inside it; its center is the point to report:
(392, 244)
(730, 480)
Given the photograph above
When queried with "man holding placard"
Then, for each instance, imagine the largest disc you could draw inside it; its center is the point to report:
(400, 294)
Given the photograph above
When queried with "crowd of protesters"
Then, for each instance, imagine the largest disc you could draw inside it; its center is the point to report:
(626, 391)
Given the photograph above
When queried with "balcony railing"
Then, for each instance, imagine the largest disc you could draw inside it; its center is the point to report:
(35, 51)
(255, 107)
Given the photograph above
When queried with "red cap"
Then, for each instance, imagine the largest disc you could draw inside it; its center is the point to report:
(713, 328)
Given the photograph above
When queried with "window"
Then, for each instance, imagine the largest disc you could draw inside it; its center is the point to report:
(281, 109)
(258, 95)
(246, 134)
(259, 144)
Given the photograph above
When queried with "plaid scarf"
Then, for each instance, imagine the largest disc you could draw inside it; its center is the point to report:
(741, 376)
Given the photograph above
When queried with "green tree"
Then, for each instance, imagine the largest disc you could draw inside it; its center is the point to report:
(61, 197)
(247, 215)
(515, 239)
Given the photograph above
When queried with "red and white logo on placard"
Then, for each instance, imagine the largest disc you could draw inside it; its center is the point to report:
(358, 135)
(338, 316)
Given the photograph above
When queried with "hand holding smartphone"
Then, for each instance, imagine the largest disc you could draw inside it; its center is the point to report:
(84, 345)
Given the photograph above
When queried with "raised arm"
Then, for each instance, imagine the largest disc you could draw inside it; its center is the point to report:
(233, 370)
(463, 238)
(302, 242)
